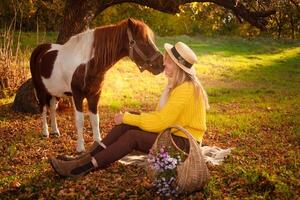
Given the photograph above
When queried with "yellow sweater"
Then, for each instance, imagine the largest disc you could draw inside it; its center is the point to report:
(180, 109)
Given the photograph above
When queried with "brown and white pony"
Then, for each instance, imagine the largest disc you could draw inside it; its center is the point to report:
(77, 68)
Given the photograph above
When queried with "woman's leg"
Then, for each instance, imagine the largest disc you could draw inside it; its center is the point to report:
(126, 142)
(110, 138)
(116, 132)
(129, 141)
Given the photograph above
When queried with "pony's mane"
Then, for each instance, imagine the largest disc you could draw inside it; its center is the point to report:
(144, 29)
(79, 38)
(108, 40)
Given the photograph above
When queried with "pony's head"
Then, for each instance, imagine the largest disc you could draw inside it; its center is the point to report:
(142, 48)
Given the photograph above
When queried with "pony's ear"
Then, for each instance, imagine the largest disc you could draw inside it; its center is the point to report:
(130, 23)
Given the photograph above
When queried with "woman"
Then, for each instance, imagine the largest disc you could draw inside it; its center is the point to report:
(183, 102)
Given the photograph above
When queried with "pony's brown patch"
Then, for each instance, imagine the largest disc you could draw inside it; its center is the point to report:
(93, 85)
(47, 63)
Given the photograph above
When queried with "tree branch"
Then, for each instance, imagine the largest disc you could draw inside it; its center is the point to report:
(79, 13)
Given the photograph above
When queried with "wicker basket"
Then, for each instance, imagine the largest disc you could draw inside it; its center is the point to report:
(192, 173)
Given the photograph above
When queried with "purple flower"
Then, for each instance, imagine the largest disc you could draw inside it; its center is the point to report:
(164, 163)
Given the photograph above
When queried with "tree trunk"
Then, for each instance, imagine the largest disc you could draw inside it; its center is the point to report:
(279, 25)
(79, 13)
(292, 27)
(77, 16)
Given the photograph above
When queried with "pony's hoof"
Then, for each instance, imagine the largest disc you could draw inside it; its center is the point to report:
(80, 149)
(97, 140)
(45, 135)
(56, 133)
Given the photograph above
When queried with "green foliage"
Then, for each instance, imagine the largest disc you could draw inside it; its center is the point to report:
(286, 21)
(162, 23)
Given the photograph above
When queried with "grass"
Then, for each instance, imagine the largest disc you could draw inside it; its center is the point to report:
(253, 88)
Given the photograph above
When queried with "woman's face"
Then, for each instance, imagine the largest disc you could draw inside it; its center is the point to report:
(170, 66)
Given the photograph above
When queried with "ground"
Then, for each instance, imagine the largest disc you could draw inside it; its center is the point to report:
(253, 88)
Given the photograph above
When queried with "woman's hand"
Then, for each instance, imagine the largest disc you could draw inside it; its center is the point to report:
(119, 118)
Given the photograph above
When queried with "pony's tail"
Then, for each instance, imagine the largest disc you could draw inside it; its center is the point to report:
(34, 66)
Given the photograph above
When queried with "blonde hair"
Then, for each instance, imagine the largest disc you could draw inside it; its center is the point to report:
(180, 76)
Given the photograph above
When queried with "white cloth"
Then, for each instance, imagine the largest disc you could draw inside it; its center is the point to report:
(214, 155)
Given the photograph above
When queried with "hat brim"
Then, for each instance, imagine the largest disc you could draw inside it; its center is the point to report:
(168, 48)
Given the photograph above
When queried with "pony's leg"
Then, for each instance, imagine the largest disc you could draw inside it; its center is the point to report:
(79, 117)
(94, 116)
(79, 121)
(44, 119)
(53, 106)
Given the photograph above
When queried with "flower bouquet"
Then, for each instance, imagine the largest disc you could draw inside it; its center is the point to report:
(163, 163)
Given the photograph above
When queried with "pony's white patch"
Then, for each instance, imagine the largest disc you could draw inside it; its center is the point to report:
(94, 118)
(77, 50)
(79, 119)
(53, 106)
(45, 125)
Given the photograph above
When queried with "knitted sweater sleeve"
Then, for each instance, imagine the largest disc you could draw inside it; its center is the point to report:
(157, 121)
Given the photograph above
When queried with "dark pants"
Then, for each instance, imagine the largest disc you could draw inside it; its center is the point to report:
(123, 139)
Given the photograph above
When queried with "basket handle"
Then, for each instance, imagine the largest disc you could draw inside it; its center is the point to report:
(191, 139)
(186, 132)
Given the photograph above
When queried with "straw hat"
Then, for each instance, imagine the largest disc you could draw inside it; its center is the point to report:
(183, 56)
